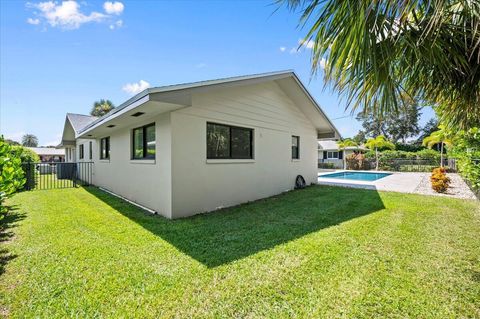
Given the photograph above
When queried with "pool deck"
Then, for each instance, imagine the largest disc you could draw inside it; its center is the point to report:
(414, 183)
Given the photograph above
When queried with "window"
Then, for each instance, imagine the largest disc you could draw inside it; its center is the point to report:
(332, 155)
(90, 155)
(143, 142)
(229, 142)
(105, 148)
(295, 147)
(81, 151)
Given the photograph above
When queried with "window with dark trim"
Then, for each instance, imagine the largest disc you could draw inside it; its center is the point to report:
(295, 147)
(229, 142)
(332, 155)
(143, 142)
(105, 148)
(81, 151)
(90, 150)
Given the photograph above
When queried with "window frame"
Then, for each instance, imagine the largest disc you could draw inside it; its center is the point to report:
(333, 153)
(107, 148)
(81, 151)
(144, 140)
(297, 157)
(230, 156)
(90, 150)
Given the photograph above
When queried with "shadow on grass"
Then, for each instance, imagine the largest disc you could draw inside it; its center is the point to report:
(8, 222)
(233, 233)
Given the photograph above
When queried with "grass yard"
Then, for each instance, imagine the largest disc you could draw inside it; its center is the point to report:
(318, 252)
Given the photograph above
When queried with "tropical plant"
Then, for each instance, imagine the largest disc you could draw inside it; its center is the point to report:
(374, 51)
(357, 162)
(101, 107)
(442, 137)
(380, 142)
(343, 144)
(29, 140)
(440, 181)
(11, 173)
(466, 151)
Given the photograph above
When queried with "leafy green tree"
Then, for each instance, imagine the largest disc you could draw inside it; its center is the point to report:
(11, 173)
(443, 137)
(397, 126)
(379, 142)
(29, 140)
(102, 107)
(342, 145)
(360, 137)
(429, 127)
(373, 51)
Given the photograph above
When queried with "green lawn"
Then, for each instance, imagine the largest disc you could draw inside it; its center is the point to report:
(318, 252)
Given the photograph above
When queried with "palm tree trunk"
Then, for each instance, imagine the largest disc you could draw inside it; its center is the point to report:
(376, 158)
(441, 154)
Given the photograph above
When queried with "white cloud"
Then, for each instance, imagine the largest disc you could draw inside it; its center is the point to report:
(282, 49)
(309, 44)
(135, 88)
(66, 15)
(113, 7)
(294, 50)
(323, 63)
(33, 21)
(116, 25)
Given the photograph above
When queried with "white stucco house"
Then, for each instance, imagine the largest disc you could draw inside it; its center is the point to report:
(329, 152)
(191, 148)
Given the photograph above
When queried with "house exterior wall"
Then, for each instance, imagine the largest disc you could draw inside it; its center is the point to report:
(200, 185)
(146, 182)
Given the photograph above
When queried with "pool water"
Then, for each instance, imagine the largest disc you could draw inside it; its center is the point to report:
(359, 176)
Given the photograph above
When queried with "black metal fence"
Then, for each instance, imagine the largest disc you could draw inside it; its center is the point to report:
(57, 175)
(400, 164)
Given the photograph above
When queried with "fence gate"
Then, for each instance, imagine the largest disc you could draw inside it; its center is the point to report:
(57, 175)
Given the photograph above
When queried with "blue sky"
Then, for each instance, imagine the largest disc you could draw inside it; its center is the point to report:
(59, 57)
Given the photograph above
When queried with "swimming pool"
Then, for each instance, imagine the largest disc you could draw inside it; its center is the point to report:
(359, 176)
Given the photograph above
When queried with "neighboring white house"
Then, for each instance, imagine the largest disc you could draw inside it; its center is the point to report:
(329, 152)
(49, 154)
(191, 148)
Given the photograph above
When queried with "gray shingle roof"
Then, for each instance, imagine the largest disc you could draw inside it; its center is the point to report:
(80, 121)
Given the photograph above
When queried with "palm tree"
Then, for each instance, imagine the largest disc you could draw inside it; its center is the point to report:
(379, 142)
(29, 140)
(442, 137)
(373, 51)
(348, 142)
(101, 107)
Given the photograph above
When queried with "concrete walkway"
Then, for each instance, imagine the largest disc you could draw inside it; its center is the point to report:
(414, 183)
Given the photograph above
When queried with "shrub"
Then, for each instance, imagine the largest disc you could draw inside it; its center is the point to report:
(395, 160)
(11, 173)
(25, 154)
(326, 165)
(440, 181)
(467, 153)
(357, 162)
